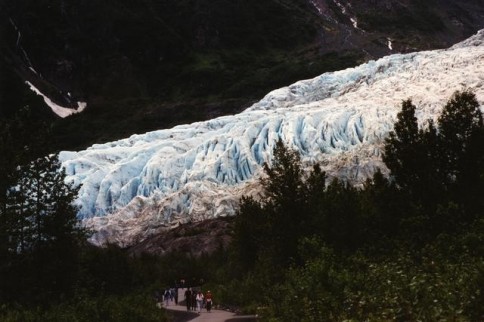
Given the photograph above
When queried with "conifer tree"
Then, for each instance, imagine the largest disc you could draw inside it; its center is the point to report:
(461, 142)
(315, 187)
(438, 168)
(401, 153)
(38, 219)
(342, 215)
(284, 182)
(274, 225)
(459, 123)
(381, 207)
(285, 202)
(250, 232)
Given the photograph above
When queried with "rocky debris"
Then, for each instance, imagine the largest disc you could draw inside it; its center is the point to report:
(193, 239)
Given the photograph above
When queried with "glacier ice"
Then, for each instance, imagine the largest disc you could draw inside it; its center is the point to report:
(149, 182)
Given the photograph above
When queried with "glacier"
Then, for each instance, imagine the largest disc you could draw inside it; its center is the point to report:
(148, 183)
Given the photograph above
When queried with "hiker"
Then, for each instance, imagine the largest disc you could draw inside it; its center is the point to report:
(199, 299)
(174, 295)
(208, 299)
(167, 296)
(188, 298)
(194, 300)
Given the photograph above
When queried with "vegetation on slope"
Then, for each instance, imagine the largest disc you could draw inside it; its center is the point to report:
(154, 64)
(136, 63)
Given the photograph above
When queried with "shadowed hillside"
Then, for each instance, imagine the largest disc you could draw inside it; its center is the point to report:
(154, 64)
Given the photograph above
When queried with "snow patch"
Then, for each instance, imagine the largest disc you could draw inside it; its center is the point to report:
(354, 22)
(57, 109)
(316, 5)
(345, 12)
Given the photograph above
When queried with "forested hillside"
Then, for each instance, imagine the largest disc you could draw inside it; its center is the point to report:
(149, 65)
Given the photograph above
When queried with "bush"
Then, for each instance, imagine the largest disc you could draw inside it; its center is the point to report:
(360, 288)
(103, 309)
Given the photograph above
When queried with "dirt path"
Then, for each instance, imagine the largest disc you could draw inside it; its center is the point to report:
(181, 313)
(213, 316)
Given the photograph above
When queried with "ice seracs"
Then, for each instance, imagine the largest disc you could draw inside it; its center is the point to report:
(144, 184)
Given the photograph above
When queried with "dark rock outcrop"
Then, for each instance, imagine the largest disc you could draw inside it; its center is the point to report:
(193, 239)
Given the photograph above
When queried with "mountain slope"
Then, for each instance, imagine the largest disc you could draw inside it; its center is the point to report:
(151, 64)
(144, 184)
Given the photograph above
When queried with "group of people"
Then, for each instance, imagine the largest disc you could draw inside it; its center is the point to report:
(196, 300)
(167, 296)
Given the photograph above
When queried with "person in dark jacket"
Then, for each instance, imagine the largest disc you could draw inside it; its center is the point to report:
(188, 298)
(174, 294)
(194, 300)
(166, 296)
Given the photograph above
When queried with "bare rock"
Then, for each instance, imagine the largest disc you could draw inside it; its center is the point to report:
(193, 239)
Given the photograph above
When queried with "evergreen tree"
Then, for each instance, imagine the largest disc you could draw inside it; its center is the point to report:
(342, 223)
(283, 183)
(315, 187)
(382, 209)
(14, 151)
(284, 203)
(461, 142)
(432, 176)
(412, 156)
(460, 121)
(401, 153)
(437, 168)
(272, 227)
(39, 223)
(250, 233)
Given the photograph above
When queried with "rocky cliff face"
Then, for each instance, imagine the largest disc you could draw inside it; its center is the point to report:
(151, 64)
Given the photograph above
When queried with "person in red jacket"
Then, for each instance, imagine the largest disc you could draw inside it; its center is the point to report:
(208, 301)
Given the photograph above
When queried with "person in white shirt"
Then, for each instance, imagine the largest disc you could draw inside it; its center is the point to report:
(199, 299)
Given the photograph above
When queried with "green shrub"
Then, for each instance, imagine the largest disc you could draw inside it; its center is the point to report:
(399, 288)
(103, 309)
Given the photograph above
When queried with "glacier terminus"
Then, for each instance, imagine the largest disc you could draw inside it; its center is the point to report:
(147, 183)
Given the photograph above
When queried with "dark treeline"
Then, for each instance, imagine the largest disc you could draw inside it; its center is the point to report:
(408, 246)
